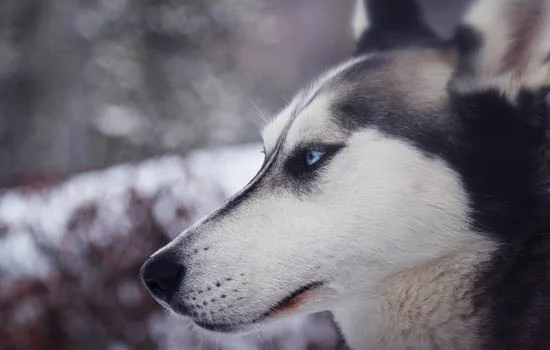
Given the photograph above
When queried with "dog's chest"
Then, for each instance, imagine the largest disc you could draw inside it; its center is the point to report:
(429, 307)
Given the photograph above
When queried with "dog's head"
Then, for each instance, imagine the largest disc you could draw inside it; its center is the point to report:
(389, 160)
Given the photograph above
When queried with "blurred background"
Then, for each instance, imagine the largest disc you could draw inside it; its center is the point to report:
(122, 122)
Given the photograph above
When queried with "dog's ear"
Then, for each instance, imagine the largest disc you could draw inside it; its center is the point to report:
(504, 45)
(390, 24)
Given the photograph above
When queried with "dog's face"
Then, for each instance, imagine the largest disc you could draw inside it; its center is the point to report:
(366, 174)
(342, 200)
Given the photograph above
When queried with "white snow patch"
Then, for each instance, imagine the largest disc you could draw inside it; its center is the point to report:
(20, 256)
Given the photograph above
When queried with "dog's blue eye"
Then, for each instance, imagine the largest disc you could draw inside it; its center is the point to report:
(313, 156)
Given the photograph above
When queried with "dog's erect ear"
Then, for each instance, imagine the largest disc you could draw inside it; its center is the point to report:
(504, 45)
(390, 24)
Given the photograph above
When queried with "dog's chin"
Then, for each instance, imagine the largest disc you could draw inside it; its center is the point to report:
(227, 328)
(284, 308)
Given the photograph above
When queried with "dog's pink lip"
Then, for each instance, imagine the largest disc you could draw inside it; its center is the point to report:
(294, 300)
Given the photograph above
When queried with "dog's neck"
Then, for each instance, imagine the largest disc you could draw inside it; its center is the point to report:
(426, 307)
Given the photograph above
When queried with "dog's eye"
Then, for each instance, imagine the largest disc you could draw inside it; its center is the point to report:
(313, 156)
(304, 162)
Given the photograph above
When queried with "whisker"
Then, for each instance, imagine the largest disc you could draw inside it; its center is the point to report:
(269, 337)
(195, 334)
(201, 338)
(262, 339)
(263, 116)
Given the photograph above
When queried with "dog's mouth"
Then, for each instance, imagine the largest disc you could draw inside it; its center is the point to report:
(293, 300)
(285, 306)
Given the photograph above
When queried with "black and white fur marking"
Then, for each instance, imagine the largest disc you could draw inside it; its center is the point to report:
(426, 223)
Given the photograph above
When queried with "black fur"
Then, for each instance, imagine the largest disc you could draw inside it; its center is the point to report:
(514, 288)
(515, 285)
(394, 24)
(497, 158)
(468, 42)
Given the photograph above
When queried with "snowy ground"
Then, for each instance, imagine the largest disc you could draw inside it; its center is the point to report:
(95, 207)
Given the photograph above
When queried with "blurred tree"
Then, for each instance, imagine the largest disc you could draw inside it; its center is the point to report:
(91, 83)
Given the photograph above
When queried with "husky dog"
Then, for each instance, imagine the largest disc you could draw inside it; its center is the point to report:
(406, 191)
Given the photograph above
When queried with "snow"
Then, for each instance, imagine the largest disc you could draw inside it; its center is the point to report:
(20, 256)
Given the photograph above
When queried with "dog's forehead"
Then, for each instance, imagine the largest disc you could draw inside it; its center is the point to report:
(413, 80)
(315, 123)
(276, 128)
(416, 78)
(304, 99)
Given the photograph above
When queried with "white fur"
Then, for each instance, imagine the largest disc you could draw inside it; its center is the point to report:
(360, 20)
(426, 307)
(500, 23)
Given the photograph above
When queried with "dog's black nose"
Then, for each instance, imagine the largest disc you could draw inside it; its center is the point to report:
(162, 275)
